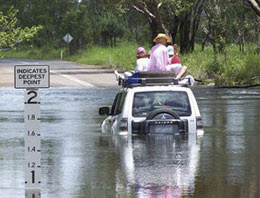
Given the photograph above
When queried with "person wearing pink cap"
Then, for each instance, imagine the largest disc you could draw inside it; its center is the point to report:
(142, 61)
(142, 64)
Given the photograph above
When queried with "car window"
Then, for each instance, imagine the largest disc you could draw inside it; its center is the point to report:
(113, 109)
(118, 103)
(121, 103)
(145, 102)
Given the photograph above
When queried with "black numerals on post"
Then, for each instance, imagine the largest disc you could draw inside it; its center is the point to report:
(31, 165)
(31, 149)
(31, 133)
(34, 95)
(31, 117)
(33, 176)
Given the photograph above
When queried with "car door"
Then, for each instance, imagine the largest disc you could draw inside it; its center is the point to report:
(115, 112)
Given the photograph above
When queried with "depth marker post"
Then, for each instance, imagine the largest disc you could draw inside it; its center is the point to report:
(32, 77)
(32, 139)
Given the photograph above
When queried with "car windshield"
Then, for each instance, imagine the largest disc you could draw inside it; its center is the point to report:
(145, 102)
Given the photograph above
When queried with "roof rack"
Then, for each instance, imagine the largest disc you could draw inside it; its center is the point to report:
(154, 79)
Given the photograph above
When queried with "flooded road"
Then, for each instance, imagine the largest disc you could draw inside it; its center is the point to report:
(79, 161)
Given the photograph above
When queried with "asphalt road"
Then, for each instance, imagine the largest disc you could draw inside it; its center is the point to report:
(63, 73)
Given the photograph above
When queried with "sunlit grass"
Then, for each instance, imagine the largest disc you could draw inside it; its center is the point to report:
(122, 57)
(230, 67)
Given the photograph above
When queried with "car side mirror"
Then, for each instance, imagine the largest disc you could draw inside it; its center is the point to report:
(104, 111)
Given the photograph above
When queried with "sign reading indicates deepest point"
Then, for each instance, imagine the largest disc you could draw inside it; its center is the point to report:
(31, 76)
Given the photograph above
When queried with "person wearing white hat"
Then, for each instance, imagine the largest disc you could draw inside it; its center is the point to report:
(159, 57)
(176, 66)
(170, 52)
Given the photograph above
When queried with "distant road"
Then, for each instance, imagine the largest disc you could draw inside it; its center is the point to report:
(63, 73)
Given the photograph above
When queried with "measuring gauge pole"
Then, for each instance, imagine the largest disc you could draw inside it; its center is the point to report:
(32, 139)
(31, 78)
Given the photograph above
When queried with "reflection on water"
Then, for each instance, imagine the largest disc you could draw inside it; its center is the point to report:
(230, 152)
(160, 166)
(79, 161)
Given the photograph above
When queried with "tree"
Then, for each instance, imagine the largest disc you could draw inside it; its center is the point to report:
(226, 22)
(111, 28)
(106, 19)
(172, 17)
(76, 23)
(151, 10)
(10, 34)
(48, 13)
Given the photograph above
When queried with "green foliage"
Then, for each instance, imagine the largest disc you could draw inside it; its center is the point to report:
(107, 21)
(250, 69)
(46, 52)
(229, 22)
(177, 7)
(10, 34)
(78, 25)
(257, 50)
(232, 68)
(111, 28)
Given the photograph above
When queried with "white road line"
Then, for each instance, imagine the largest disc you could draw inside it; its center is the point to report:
(29, 63)
(84, 83)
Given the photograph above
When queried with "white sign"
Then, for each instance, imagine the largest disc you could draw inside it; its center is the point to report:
(31, 76)
(68, 38)
(32, 139)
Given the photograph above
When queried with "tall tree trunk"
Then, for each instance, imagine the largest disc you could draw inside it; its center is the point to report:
(174, 29)
(258, 35)
(195, 20)
(188, 26)
(184, 34)
(153, 29)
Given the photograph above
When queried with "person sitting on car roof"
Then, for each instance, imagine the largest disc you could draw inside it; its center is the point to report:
(176, 66)
(142, 64)
(175, 62)
(159, 57)
(142, 61)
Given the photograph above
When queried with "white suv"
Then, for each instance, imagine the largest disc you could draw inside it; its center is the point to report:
(157, 109)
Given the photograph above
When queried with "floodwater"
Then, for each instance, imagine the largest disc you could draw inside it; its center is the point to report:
(79, 161)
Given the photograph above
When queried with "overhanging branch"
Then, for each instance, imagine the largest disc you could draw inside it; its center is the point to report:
(255, 4)
(143, 10)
